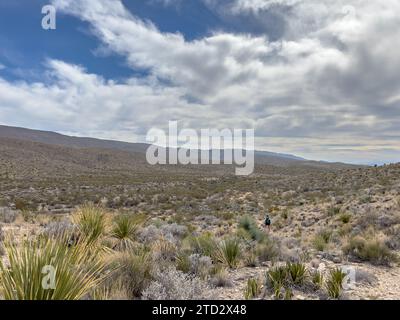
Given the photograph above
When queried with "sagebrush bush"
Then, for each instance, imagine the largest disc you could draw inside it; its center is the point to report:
(60, 230)
(7, 215)
(220, 277)
(172, 284)
(200, 265)
(77, 270)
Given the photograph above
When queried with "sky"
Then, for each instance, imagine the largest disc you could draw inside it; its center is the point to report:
(315, 78)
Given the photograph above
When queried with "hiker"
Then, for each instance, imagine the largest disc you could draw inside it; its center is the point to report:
(268, 222)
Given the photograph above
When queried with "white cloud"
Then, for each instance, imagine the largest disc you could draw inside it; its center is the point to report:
(332, 75)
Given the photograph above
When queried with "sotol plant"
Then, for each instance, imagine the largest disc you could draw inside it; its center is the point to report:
(228, 252)
(91, 222)
(334, 284)
(124, 230)
(77, 271)
(253, 289)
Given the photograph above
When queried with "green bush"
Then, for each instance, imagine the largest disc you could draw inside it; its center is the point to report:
(248, 224)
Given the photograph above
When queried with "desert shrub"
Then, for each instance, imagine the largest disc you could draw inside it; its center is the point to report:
(251, 259)
(78, 271)
(253, 289)
(172, 284)
(200, 265)
(183, 262)
(1, 241)
(248, 224)
(149, 234)
(322, 239)
(204, 244)
(59, 229)
(267, 251)
(296, 273)
(164, 252)
(333, 211)
(20, 204)
(135, 269)
(369, 249)
(220, 277)
(176, 230)
(334, 283)
(345, 218)
(228, 252)
(91, 222)
(7, 215)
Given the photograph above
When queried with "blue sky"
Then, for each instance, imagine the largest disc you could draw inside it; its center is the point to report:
(318, 79)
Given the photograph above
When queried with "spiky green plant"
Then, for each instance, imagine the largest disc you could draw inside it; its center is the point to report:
(47, 269)
(276, 279)
(317, 279)
(91, 222)
(334, 284)
(253, 289)
(124, 230)
(228, 252)
(296, 273)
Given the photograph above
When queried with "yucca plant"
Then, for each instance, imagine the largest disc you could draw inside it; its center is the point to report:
(334, 284)
(317, 279)
(47, 269)
(253, 289)
(91, 222)
(296, 272)
(124, 231)
(228, 252)
(276, 279)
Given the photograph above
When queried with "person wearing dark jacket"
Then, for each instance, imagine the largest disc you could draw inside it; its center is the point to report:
(267, 222)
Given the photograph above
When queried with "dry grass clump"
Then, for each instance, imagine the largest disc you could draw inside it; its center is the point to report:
(369, 248)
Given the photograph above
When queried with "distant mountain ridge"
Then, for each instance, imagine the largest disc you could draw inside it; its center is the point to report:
(49, 137)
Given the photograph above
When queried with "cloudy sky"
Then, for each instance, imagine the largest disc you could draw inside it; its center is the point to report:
(316, 78)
